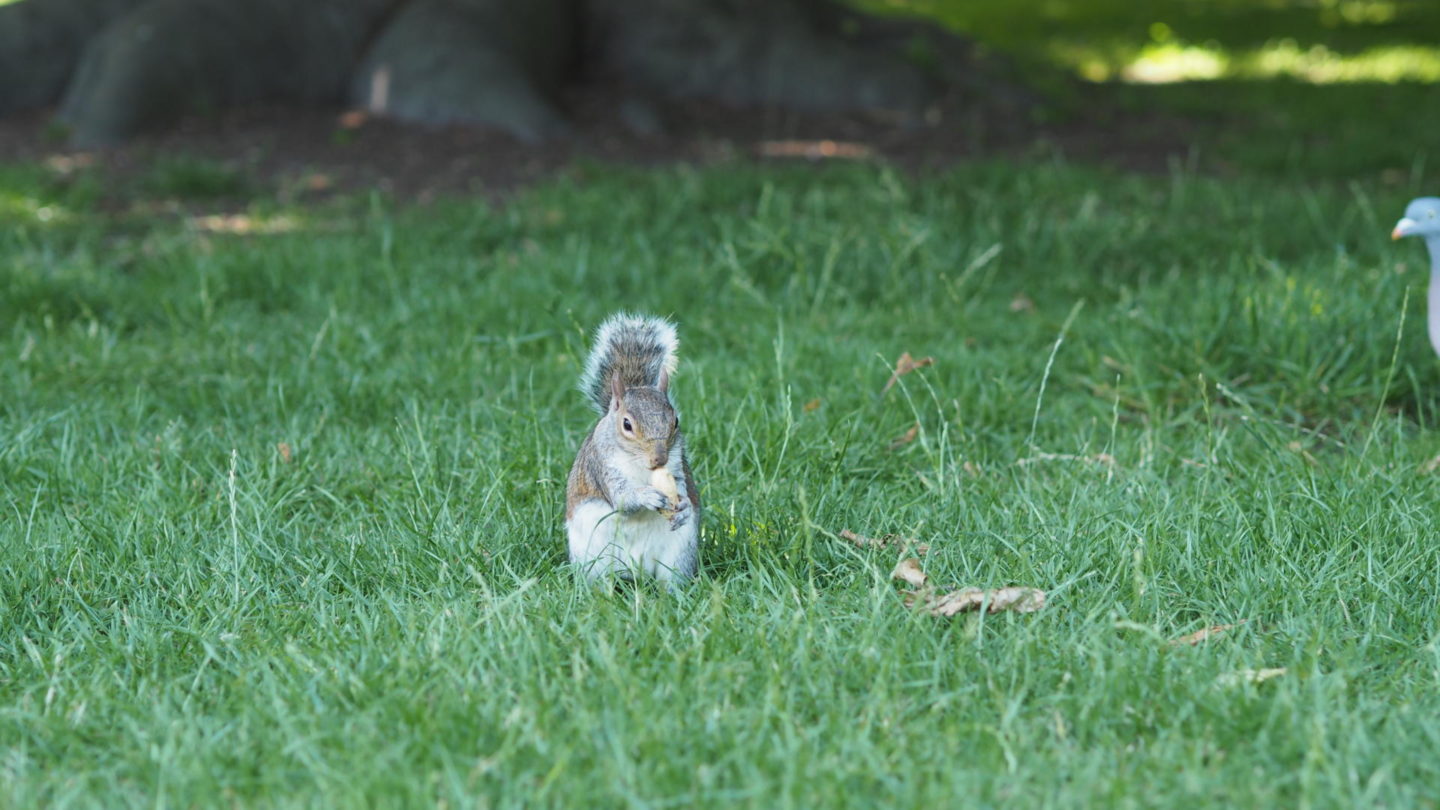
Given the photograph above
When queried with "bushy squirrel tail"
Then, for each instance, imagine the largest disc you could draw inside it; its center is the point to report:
(640, 349)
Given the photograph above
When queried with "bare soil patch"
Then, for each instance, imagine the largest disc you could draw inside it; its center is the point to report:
(308, 153)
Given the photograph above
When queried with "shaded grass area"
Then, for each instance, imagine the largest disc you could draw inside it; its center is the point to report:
(378, 610)
(1294, 132)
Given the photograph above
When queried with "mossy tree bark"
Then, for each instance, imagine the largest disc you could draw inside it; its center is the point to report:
(117, 67)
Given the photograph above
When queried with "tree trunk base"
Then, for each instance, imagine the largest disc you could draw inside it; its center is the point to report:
(117, 67)
(493, 62)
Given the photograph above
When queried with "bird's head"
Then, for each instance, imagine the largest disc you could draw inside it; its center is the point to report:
(1422, 218)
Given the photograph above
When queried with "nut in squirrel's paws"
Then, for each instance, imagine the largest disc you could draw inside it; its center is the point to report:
(662, 480)
(680, 515)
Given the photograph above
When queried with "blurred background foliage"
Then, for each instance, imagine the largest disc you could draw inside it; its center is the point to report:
(1319, 41)
(1310, 89)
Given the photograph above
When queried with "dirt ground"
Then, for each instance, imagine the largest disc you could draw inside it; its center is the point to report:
(313, 153)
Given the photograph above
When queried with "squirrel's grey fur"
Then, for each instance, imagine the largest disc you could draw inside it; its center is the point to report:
(616, 520)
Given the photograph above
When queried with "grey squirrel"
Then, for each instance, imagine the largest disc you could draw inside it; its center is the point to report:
(631, 504)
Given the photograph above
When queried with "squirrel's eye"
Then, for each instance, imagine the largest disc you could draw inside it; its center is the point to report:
(628, 428)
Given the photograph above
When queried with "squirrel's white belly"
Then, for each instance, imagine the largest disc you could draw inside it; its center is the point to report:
(604, 541)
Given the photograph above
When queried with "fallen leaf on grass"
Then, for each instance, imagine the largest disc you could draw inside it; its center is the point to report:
(815, 150)
(972, 469)
(67, 164)
(908, 570)
(1202, 635)
(1430, 466)
(1021, 303)
(812, 405)
(905, 365)
(907, 438)
(243, 224)
(885, 541)
(995, 600)
(1104, 459)
(1249, 676)
(285, 454)
(353, 119)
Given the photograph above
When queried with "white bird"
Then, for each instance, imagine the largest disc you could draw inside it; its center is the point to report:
(1422, 218)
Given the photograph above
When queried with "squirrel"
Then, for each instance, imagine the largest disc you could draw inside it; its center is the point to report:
(618, 517)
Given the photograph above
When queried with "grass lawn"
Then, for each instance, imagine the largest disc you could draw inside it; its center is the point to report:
(282, 510)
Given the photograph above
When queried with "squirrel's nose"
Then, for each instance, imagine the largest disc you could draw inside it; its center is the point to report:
(658, 456)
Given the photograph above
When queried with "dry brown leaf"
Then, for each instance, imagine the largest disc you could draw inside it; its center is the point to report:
(815, 150)
(1203, 634)
(1250, 676)
(907, 438)
(908, 570)
(812, 405)
(996, 600)
(887, 541)
(285, 454)
(68, 164)
(353, 119)
(243, 224)
(905, 365)
(1104, 459)
(1021, 303)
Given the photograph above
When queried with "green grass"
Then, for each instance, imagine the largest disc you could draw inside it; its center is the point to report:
(1307, 90)
(189, 619)
(1298, 132)
(1169, 40)
(191, 178)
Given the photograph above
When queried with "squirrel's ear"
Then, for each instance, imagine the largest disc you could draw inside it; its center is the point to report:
(617, 391)
(664, 384)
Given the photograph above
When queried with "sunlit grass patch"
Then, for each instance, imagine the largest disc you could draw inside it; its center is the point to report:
(1172, 41)
(1160, 63)
(41, 196)
(23, 208)
(1318, 64)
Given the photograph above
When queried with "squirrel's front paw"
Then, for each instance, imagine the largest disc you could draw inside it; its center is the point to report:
(652, 499)
(681, 515)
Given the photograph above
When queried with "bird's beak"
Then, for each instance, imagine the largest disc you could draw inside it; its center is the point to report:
(1404, 227)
